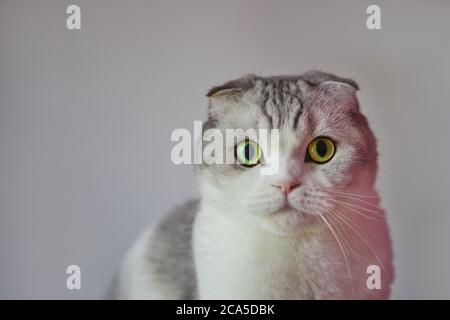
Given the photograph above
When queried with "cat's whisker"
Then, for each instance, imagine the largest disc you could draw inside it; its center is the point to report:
(342, 217)
(361, 201)
(331, 190)
(378, 212)
(375, 211)
(363, 236)
(339, 223)
(354, 208)
(341, 247)
(336, 222)
(338, 219)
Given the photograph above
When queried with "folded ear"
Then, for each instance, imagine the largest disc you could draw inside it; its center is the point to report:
(338, 88)
(316, 78)
(232, 88)
(340, 92)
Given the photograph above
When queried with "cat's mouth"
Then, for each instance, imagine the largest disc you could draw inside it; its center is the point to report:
(285, 220)
(287, 214)
(288, 209)
(294, 207)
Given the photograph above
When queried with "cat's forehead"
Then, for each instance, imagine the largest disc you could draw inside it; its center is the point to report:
(281, 101)
(289, 102)
(270, 104)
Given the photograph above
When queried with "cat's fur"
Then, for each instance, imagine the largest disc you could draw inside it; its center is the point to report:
(244, 239)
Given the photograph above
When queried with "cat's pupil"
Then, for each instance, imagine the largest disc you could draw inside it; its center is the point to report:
(321, 148)
(249, 152)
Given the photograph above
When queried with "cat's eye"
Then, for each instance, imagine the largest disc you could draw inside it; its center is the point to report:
(248, 153)
(320, 150)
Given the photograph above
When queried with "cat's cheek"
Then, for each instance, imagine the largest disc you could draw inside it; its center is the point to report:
(335, 174)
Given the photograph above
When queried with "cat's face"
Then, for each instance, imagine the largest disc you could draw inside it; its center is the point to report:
(324, 144)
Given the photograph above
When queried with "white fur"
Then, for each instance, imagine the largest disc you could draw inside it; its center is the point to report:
(136, 279)
(236, 260)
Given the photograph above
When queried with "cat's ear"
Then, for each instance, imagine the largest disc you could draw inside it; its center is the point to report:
(340, 94)
(339, 91)
(317, 78)
(338, 88)
(233, 88)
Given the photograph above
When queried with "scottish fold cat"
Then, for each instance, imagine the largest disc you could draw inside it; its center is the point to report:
(313, 230)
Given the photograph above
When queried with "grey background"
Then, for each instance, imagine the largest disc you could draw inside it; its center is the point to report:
(86, 118)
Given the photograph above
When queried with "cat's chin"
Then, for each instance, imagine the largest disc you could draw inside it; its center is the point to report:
(287, 220)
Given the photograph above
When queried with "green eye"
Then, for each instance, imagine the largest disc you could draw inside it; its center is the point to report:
(248, 153)
(321, 150)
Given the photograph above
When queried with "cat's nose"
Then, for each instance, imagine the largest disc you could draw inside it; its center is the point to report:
(286, 186)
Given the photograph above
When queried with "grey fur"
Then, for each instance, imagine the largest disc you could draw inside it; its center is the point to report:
(164, 262)
(278, 96)
(172, 241)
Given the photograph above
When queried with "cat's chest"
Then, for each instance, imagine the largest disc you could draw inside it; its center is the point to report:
(235, 261)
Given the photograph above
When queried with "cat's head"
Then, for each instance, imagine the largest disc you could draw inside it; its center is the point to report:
(325, 144)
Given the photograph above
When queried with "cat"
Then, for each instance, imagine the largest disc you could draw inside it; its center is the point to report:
(313, 230)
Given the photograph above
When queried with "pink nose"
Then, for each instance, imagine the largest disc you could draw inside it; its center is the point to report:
(287, 187)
